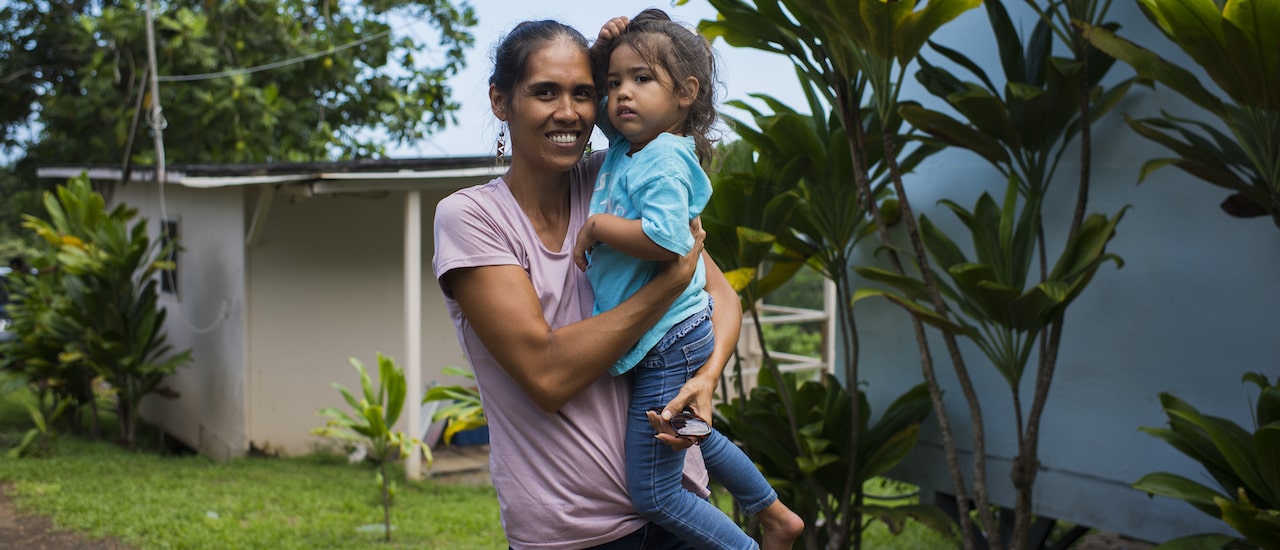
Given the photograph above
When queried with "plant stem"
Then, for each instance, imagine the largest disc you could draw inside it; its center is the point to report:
(386, 497)
(953, 350)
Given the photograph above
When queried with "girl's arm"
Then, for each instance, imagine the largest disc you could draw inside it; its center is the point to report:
(627, 236)
(553, 365)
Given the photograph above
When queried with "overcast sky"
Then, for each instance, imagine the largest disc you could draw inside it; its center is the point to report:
(743, 71)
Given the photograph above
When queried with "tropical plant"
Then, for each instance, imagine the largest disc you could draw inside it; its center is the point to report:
(749, 206)
(1023, 130)
(1245, 465)
(1000, 308)
(39, 313)
(111, 320)
(809, 471)
(785, 198)
(371, 423)
(463, 410)
(40, 439)
(844, 55)
(1236, 44)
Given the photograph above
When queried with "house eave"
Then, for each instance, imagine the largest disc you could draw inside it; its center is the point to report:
(318, 178)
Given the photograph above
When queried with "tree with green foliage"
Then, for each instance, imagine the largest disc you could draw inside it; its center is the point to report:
(243, 81)
(240, 81)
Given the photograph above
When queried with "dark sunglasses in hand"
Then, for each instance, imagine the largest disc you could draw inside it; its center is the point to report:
(687, 424)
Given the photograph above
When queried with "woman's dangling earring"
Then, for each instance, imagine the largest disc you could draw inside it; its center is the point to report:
(501, 156)
(586, 153)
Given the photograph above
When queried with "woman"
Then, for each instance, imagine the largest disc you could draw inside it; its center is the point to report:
(504, 260)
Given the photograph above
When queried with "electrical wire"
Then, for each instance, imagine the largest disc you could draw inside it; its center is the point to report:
(155, 119)
(273, 65)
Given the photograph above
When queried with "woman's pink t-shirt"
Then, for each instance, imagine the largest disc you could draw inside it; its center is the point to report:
(559, 476)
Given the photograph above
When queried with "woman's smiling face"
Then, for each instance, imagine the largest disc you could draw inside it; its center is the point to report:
(552, 111)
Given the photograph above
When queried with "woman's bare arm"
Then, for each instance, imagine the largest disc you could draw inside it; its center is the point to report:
(553, 365)
(726, 320)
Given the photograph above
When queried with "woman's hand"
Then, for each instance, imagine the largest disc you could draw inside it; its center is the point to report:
(586, 240)
(726, 320)
(680, 271)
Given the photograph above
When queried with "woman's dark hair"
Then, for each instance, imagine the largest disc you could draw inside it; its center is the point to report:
(511, 55)
(683, 53)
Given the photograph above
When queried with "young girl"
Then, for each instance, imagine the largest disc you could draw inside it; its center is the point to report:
(657, 76)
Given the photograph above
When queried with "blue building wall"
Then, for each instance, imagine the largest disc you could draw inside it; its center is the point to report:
(1192, 309)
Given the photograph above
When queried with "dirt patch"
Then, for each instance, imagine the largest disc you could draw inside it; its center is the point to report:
(36, 532)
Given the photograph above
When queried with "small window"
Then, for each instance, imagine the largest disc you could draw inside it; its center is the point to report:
(169, 240)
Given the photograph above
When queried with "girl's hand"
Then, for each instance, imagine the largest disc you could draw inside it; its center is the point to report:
(611, 29)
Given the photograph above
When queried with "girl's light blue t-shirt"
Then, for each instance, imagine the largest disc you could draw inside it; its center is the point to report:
(664, 186)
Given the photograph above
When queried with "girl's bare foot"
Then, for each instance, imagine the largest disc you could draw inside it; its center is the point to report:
(780, 527)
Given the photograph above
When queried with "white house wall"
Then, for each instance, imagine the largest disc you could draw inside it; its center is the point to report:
(206, 316)
(325, 285)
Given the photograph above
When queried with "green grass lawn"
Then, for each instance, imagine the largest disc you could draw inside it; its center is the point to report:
(155, 501)
(152, 500)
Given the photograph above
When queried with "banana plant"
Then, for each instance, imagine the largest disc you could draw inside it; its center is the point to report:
(1236, 44)
(372, 424)
(1245, 466)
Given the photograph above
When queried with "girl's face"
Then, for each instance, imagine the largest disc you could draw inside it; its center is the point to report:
(552, 111)
(642, 99)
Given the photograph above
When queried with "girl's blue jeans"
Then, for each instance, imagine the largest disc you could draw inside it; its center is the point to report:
(654, 469)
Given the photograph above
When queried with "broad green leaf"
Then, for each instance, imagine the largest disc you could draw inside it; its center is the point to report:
(450, 370)
(917, 26)
(1149, 65)
(1260, 527)
(1268, 409)
(740, 278)
(895, 517)
(946, 253)
(928, 316)
(1266, 443)
(889, 452)
(955, 133)
(987, 113)
(1235, 444)
(913, 288)
(1210, 541)
(1037, 307)
(1175, 486)
(1258, 20)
